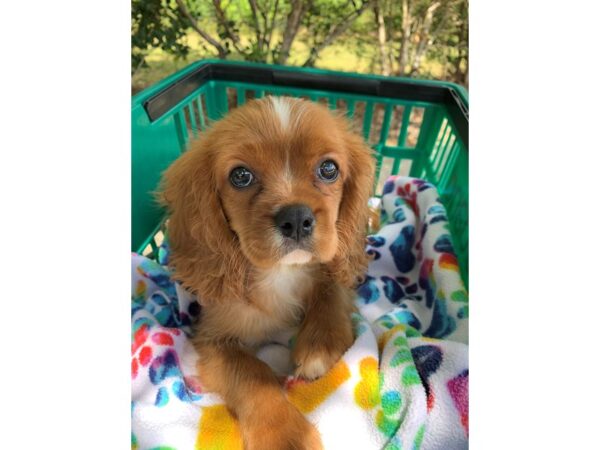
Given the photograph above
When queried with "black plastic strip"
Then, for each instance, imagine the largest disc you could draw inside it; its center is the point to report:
(257, 75)
(162, 102)
(326, 82)
(459, 113)
(166, 99)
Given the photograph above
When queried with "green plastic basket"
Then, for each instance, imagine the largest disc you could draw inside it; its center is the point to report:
(417, 128)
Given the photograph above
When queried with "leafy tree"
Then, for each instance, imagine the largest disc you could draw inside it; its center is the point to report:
(453, 44)
(403, 34)
(253, 30)
(155, 23)
(410, 31)
(327, 20)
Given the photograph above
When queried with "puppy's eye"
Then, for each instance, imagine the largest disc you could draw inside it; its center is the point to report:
(328, 171)
(241, 177)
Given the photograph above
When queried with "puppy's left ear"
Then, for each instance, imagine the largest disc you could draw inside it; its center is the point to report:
(350, 262)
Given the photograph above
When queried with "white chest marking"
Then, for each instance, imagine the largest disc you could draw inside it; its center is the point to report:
(284, 287)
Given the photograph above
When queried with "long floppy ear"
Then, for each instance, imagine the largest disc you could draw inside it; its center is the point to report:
(206, 256)
(350, 262)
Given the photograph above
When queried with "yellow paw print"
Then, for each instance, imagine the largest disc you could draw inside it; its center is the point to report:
(218, 430)
(366, 393)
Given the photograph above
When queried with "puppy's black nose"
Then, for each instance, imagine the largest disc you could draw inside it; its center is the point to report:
(295, 221)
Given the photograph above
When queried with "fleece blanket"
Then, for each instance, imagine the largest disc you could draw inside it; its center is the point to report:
(402, 385)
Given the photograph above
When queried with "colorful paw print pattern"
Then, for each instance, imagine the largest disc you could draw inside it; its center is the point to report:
(163, 389)
(414, 264)
(403, 384)
(402, 413)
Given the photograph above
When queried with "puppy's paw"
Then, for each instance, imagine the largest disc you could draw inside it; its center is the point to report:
(314, 364)
(287, 429)
(315, 355)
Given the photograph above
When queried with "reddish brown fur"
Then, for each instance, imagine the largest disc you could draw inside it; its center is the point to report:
(225, 249)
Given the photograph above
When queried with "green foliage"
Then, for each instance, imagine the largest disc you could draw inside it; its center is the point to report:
(255, 30)
(156, 24)
(442, 39)
(452, 43)
(330, 19)
(324, 14)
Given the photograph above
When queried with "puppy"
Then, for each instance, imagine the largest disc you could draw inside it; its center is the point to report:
(268, 216)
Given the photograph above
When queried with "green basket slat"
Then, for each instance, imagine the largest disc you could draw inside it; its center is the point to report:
(190, 110)
(396, 166)
(444, 128)
(140, 249)
(404, 126)
(385, 128)
(221, 99)
(444, 158)
(201, 113)
(241, 96)
(194, 104)
(426, 141)
(402, 136)
(441, 145)
(368, 118)
(351, 104)
(153, 246)
(181, 130)
(378, 163)
(449, 166)
(332, 102)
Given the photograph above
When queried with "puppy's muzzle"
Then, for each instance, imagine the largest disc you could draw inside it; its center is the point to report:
(295, 222)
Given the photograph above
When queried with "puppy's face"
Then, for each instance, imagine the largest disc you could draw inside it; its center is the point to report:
(280, 169)
(277, 181)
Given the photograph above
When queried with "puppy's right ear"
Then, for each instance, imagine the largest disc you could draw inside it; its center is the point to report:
(205, 253)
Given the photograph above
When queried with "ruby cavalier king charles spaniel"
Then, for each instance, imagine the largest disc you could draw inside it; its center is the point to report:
(268, 218)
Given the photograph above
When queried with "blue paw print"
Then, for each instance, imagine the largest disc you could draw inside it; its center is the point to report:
(443, 244)
(411, 289)
(392, 290)
(435, 209)
(368, 290)
(440, 218)
(423, 185)
(388, 187)
(408, 318)
(428, 359)
(163, 367)
(183, 393)
(442, 324)
(402, 249)
(399, 215)
(375, 241)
